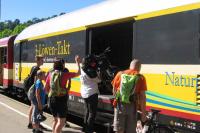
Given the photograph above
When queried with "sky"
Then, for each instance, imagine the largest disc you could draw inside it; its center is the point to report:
(25, 10)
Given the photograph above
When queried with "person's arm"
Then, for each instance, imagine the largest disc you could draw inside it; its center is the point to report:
(141, 87)
(72, 74)
(116, 82)
(38, 98)
(77, 59)
(142, 104)
(47, 84)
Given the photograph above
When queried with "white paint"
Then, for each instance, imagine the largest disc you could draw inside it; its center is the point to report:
(105, 11)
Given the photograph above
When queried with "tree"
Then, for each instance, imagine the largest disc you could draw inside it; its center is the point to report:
(6, 33)
(9, 27)
(18, 29)
(1, 26)
(62, 13)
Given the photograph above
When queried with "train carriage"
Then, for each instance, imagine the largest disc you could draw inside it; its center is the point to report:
(163, 34)
(6, 62)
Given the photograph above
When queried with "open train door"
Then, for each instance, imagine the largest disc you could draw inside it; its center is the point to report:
(3, 53)
(1, 65)
(119, 38)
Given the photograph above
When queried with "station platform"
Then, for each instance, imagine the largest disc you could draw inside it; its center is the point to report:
(14, 118)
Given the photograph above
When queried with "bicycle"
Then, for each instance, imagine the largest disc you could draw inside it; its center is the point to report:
(153, 126)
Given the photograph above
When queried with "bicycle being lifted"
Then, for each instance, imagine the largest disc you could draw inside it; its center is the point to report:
(153, 126)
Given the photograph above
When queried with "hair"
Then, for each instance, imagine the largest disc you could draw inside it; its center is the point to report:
(40, 72)
(38, 57)
(88, 60)
(58, 64)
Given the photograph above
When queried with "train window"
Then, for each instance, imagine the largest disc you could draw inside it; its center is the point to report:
(4, 55)
(169, 39)
(1, 55)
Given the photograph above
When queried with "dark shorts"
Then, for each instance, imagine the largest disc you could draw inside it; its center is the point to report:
(58, 106)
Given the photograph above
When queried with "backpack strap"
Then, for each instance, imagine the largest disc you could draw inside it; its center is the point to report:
(61, 77)
(134, 87)
(34, 71)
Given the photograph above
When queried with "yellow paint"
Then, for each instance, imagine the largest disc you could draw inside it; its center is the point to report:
(168, 11)
(26, 68)
(156, 83)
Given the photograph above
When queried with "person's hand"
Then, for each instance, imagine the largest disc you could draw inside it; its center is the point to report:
(40, 107)
(77, 59)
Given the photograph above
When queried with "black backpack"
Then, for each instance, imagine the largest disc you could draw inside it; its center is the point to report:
(29, 80)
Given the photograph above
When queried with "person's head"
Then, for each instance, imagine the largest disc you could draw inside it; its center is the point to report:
(58, 64)
(39, 60)
(135, 65)
(89, 61)
(63, 62)
(41, 75)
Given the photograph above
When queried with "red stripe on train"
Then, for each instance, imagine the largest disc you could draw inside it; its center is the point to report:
(7, 82)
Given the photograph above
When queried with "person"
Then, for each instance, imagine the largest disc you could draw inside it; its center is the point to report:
(38, 101)
(58, 94)
(125, 113)
(33, 72)
(89, 91)
(68, 86)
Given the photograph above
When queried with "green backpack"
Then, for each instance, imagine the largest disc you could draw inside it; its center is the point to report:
(126, 94)
(55, 84)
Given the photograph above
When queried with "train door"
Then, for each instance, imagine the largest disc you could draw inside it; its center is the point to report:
(119, 37)
(3, 57)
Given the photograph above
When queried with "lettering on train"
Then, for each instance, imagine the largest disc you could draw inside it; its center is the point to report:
(179, 80)
(60, 48)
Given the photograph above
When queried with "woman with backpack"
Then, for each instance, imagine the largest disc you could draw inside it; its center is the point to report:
(57, 92)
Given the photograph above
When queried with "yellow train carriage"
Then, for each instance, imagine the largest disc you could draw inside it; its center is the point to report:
(163, 34)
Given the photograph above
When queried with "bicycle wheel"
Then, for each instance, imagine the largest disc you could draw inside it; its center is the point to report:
(161, 129)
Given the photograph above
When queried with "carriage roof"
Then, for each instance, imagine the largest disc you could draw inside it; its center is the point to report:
(106, 11)
(4, 41)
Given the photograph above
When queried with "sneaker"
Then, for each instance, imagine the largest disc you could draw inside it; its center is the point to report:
(41, 117)
(67, 124)
(30, 126)
(42, 127)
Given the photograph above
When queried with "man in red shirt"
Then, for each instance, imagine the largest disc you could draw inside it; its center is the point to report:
(125, 114)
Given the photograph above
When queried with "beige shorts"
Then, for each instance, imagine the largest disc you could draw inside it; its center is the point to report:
(125, 118)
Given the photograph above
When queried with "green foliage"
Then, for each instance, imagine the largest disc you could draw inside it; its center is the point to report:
(18, 29)
(5, 33)
(8, 27)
